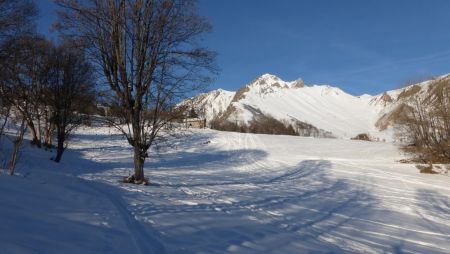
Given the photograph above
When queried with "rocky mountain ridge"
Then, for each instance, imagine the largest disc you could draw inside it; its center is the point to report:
(325, 108)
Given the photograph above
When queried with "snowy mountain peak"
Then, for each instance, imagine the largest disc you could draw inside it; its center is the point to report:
(324, 107)
(222, 92)
(268, 80)
(268, 76)
(326, 90)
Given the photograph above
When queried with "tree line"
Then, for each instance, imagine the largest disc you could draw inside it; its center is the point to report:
(45, 88)
(141, 56)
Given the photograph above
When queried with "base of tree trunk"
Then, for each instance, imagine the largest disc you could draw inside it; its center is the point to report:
(48, 146)
(36, 143)
(132, 179)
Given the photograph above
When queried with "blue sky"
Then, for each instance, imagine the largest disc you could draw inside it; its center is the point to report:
(361, 46)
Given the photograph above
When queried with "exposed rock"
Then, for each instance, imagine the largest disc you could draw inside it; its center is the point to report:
(298, 84)
(240, 94)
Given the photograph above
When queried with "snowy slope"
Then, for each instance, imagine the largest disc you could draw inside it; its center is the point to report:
(211, 104)
(325, 107)
(47, 208)
(238, 193)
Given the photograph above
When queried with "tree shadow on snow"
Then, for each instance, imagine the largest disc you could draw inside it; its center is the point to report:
(299, 211)
(242, 178)
(202, 204)
(216, 158)
(434, 202)
(94, 158)
(434, 208)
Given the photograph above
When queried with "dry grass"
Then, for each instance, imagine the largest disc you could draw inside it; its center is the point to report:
(408, 92)
(424, 155)
(386, 98)
(426, 169)
(393, 117)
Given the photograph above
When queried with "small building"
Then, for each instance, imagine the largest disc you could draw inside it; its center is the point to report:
(194, 123)
(103, 110)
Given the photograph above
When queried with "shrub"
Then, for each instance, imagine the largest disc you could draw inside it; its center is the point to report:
(261, 125)
(425, 130)
(428, 169)
(362, 136)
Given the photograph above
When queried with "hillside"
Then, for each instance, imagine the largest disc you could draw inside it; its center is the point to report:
(324, 107)
(212, 104)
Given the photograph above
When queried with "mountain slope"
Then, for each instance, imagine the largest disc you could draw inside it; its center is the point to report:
(322, 106)
(210, 105)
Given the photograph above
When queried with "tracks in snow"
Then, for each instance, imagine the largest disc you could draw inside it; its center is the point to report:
(296, 193)
(144, 242)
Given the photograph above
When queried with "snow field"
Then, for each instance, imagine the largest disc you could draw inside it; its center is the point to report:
(238, 193)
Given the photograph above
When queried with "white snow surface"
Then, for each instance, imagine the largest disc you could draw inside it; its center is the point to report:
(222, 192)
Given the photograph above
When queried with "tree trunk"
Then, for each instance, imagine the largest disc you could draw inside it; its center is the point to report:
(17, 142)
(139, 154)
(39, 130)
(36, 140)
(139, 160)
(48, 137)
(48, 132)
(60, 147)
(14, 155)
(59, 150)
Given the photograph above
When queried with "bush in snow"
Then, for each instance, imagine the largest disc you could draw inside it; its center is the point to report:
(362, 136)
(425, 129)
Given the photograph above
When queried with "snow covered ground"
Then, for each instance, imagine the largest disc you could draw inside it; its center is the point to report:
(223, 192)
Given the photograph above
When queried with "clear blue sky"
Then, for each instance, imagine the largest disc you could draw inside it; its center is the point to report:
(361, 46)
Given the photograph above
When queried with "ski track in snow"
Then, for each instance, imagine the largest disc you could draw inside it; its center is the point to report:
(142, 240)
(246, 193)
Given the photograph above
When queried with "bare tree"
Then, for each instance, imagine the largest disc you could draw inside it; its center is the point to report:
(148, 53)
(16, 17)
(70, 92)
(26, 81)
(425, 126)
